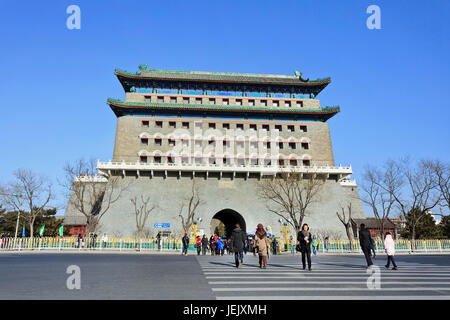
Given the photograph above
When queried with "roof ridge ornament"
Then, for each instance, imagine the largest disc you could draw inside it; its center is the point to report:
(143, 68)
(299, 75)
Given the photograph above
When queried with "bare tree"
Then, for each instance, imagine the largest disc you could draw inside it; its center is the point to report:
(417, 195)
(290, 195)
(347, 222)
(29, 190)
(142, 212)
(89, 193)
(441, 172)
(189, 207)
(147, 233)
(324, 233)
(379, 189)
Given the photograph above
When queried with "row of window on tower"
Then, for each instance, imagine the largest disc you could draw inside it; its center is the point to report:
(213, 90)
(225, 102)
(226, 143)
(226, 161)
(225, 126)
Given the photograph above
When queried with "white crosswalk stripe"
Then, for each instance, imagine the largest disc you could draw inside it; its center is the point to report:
(328, 281)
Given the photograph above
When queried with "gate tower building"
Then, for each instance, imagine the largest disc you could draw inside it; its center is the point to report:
(226, 132)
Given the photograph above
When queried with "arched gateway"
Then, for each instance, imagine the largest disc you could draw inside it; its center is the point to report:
(229, 218)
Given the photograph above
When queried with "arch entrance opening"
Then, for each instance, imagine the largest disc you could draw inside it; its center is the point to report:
(224, 222)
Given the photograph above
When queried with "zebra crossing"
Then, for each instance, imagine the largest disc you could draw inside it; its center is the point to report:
(330, 279)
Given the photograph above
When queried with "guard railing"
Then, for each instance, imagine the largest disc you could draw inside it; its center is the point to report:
(173, 244)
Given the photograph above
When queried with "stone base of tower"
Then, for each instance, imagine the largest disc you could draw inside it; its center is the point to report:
(229, 200)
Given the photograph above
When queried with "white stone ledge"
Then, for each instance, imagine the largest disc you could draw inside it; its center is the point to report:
(341, 171)
(348, 183)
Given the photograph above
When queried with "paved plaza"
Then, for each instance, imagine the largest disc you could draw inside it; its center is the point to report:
(173, 276)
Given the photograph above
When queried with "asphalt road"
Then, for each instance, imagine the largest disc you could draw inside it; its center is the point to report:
(156, 276)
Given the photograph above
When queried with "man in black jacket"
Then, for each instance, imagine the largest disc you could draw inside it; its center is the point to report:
(365, 242)
(238, 238)
(205, 243)
(185, 241)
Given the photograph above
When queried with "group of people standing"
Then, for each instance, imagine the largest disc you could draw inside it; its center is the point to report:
(90, 240)
(215, 245)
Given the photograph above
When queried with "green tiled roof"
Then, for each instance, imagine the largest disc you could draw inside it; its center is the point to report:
(154, 105)
(297, 79)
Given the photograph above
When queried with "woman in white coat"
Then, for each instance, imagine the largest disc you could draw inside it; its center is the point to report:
(389, 247)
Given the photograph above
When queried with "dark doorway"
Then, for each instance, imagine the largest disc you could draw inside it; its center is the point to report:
(230, 218)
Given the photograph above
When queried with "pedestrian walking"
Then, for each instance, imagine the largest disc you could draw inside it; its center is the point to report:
(211, 244)
(80, 240)
(304, 238)
(225, 246)
(274, 245)
(185, 241)
(365, 243)
(205, 243)
(198, 245)
(104, 240)
(238, 242)
(8, 240)
(216, 250)
(389, 247)
(94, 240)
(372, 248)
(325, 243)
(262, 243)
(220, 246)
(314, 245)
(246, 245)
(158, 240)
(253, 245)
(230, 249)
(292, 244)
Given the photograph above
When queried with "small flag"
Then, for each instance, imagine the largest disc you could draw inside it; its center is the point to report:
(23, 231)
(41, 232)
(61, 229)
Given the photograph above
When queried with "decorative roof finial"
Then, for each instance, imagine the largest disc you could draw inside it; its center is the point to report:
(299, 75)
(143, 68)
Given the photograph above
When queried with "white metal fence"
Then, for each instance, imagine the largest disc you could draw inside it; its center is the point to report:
(172, 244)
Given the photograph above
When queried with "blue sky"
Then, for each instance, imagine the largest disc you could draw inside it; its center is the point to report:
(392, 84)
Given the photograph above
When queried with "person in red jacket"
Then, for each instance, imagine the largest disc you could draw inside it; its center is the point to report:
(199, 245)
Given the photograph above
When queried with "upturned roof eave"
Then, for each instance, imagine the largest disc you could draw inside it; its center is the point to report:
(327, 112)
(121, 75)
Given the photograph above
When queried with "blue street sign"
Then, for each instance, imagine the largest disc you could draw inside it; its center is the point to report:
(161, 225)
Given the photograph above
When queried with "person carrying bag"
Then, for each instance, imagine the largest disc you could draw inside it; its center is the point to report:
(304, 238)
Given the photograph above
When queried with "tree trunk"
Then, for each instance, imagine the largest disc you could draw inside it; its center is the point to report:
(31, 232)
(348, 229)
(139, 238)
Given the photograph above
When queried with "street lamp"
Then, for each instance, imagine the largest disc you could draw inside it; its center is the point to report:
(196, 222)
(285, 225)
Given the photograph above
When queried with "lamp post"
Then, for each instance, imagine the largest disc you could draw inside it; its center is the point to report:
(285, 225)
(196, 222)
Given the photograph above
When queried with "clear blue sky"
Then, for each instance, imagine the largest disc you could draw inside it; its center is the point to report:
(393, 84)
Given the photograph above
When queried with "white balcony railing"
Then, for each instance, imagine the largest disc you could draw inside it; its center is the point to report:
(342, 171)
